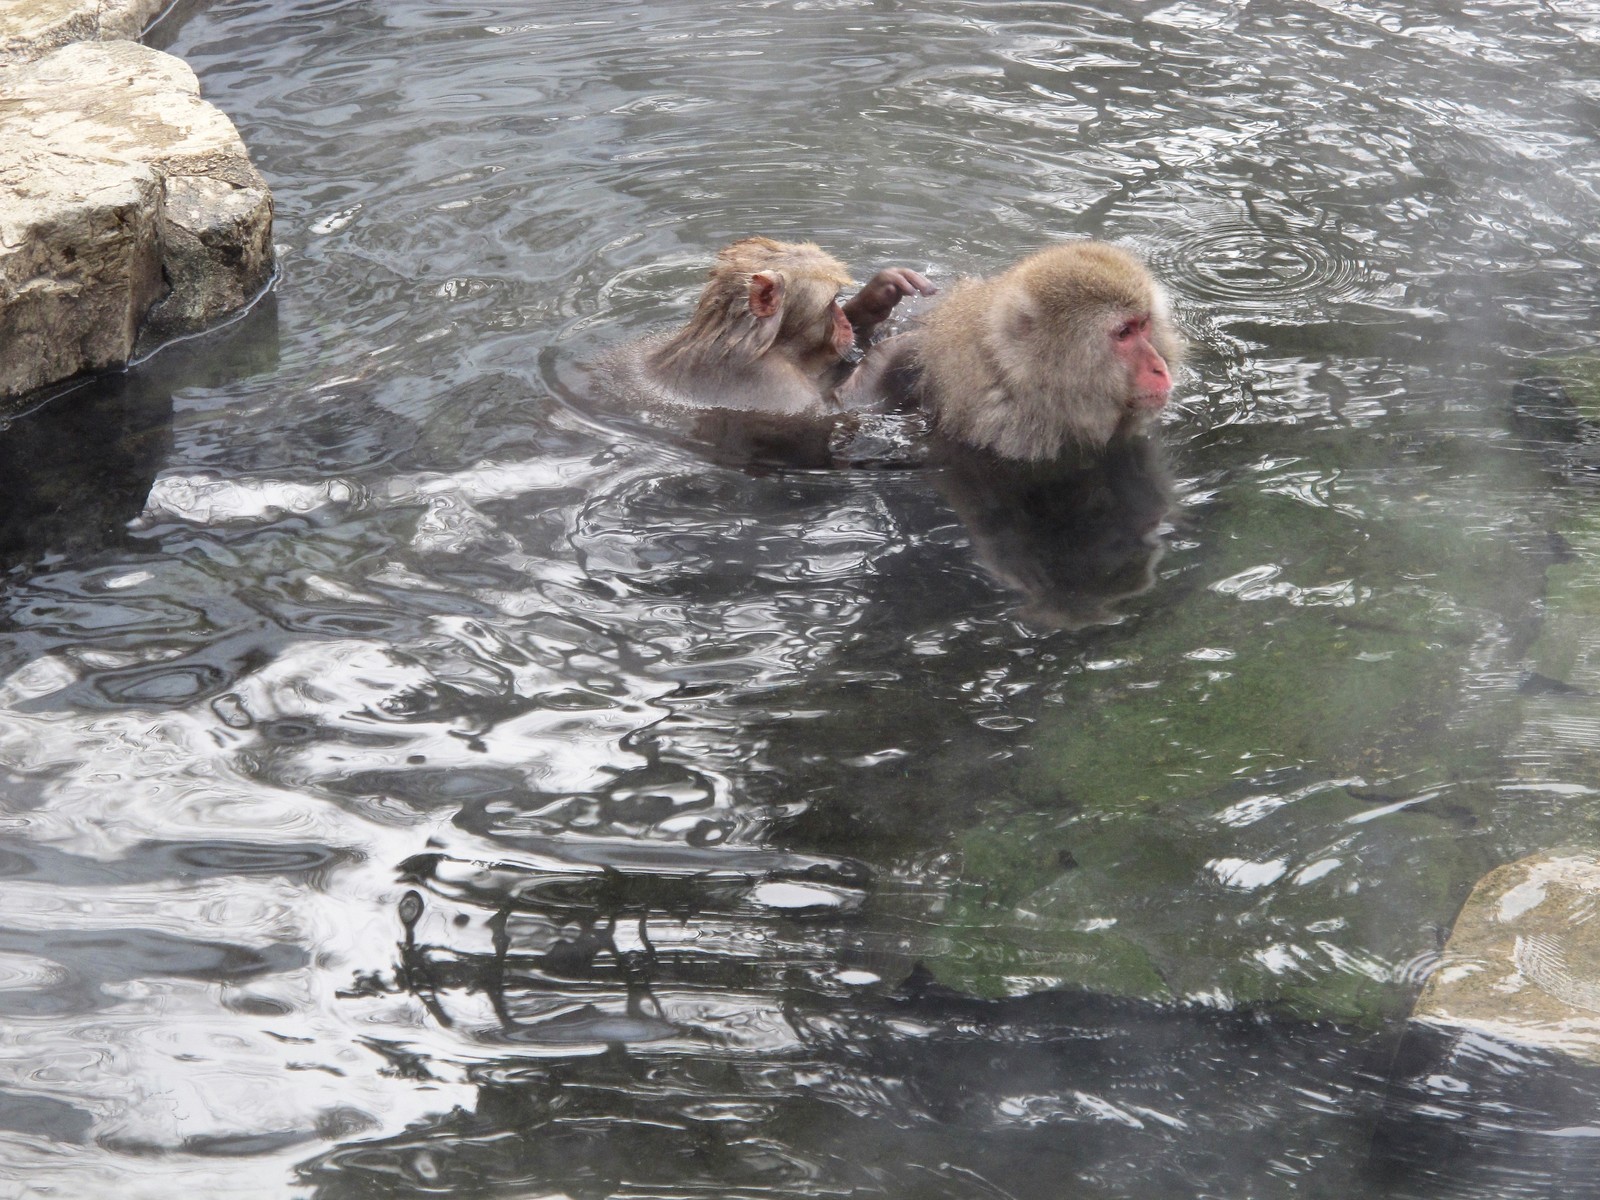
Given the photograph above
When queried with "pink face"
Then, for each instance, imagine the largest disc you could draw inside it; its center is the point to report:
(1149, 380)
(844, 334)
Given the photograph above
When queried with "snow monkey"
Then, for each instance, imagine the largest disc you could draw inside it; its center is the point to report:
(1068, 348)
(768, 333)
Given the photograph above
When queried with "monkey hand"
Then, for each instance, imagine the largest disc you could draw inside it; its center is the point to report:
(872, 305)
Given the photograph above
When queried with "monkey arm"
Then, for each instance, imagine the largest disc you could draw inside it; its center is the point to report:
(871, 306)
(888, 379)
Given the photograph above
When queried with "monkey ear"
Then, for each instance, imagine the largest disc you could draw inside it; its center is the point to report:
(766, 294)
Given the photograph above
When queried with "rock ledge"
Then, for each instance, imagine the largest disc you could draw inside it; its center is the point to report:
(31, 27)
(130, 212)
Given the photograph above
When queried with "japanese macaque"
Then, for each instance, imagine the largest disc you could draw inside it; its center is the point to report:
(1070, 347)
(768, 333)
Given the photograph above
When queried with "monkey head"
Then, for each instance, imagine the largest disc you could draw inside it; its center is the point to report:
(1068, 348)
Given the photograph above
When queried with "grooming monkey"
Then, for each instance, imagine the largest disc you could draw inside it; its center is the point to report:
(769, 334)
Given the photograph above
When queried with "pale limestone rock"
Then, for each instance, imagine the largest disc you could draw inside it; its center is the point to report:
(1523, 961)
(31, 27)
(130, 212)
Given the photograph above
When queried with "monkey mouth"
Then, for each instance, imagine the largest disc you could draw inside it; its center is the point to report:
(1148, 401)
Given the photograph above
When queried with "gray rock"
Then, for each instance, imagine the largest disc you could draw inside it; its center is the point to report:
(130, 212)
(33, 27)
(1523, 961)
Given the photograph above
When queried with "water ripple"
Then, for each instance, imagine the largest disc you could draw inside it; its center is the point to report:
(1262, 262)
(506, 791)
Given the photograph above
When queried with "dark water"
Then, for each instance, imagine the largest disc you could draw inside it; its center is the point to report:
(423, 776)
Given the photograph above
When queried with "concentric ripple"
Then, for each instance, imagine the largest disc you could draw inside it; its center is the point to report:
(1261, 262)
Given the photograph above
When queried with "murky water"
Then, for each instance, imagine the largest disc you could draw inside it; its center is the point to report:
(424, 776)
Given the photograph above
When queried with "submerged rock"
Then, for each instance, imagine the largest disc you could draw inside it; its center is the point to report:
(1523, 961)
(130, 212)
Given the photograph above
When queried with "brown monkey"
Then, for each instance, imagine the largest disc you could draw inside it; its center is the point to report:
(1070, 347)
(768, 333)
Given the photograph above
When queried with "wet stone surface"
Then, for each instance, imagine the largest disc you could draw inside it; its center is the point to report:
(1523, 960)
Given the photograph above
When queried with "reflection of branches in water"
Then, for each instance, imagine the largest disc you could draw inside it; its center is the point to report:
(919, 1094)
(574, 959)
(592, 937)
(421, 972)
(914, 1093)
(415, 972)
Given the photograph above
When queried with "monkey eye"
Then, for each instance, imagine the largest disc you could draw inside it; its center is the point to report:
(1128, 328)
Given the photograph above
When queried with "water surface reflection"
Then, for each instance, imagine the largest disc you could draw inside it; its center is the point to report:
(425, 776)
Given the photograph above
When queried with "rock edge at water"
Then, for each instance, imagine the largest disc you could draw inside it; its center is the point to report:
(130, 212)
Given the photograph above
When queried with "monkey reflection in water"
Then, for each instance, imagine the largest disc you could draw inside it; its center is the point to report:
(1043, 384)
(1073, 535)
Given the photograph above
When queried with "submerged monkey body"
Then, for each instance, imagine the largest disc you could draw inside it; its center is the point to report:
(1067, 349)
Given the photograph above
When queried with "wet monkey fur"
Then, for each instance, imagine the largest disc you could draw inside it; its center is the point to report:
(768, 333)
(1070, 347)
